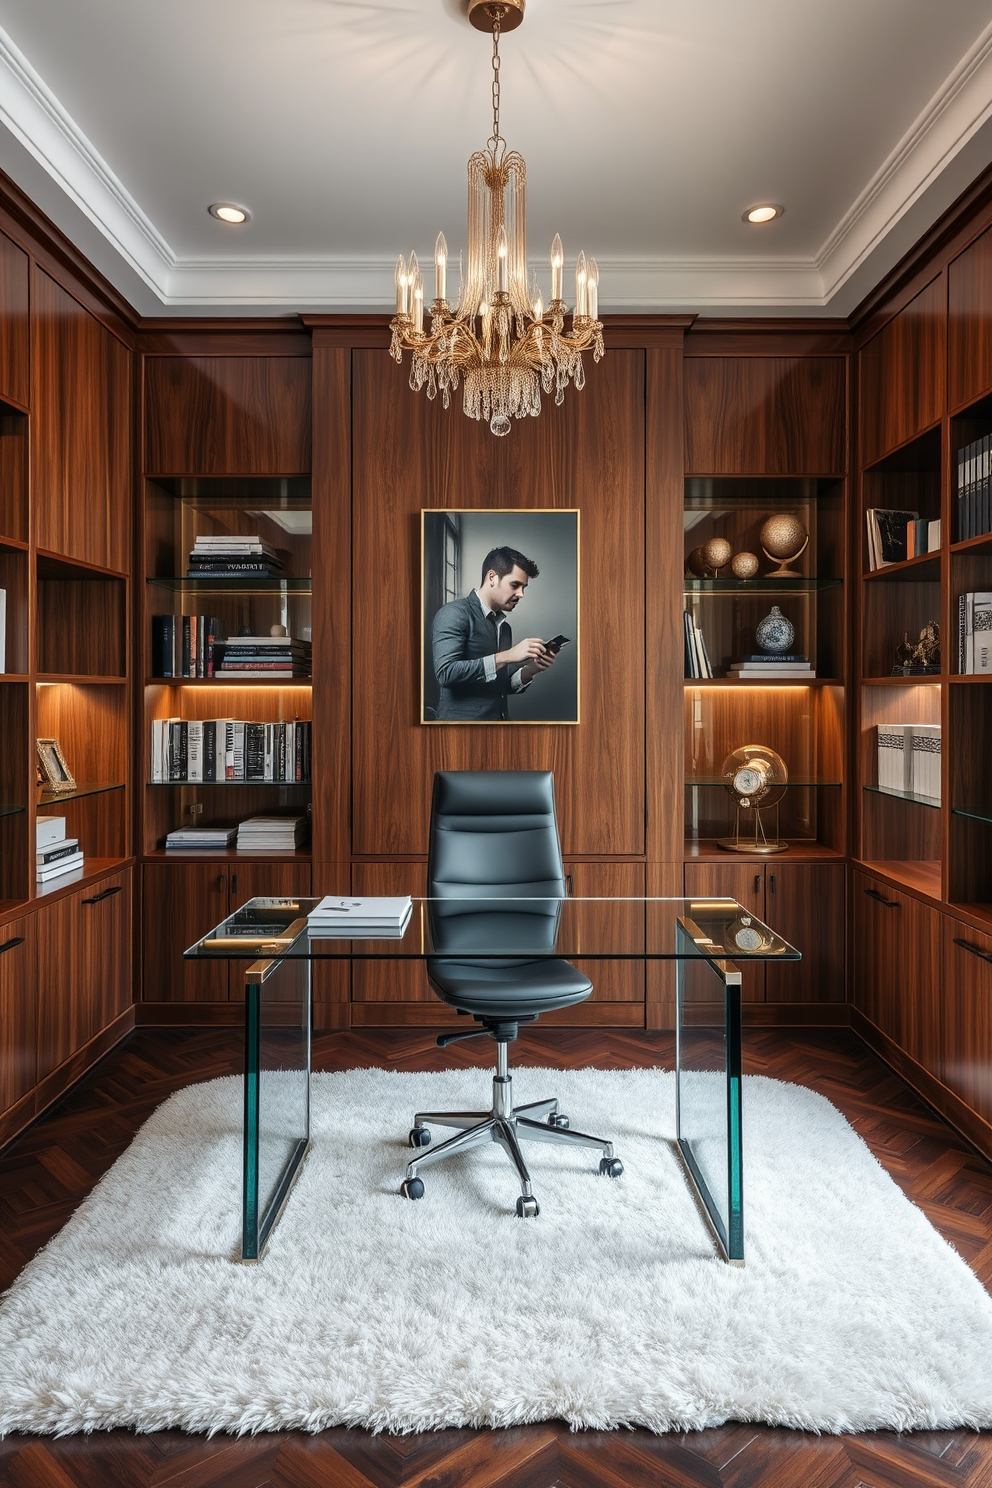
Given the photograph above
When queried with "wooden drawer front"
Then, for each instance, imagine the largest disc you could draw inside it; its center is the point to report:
(966, 1011)
(744, 882)
(18, 1010)
(897, 967)
(84, 967)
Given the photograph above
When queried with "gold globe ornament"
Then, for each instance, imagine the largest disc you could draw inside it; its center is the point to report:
(716, 553)
(744, 565)
(695, 564)
(756, 778)
(783, 538)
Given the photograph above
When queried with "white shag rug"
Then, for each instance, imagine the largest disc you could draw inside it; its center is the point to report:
(610, 1309)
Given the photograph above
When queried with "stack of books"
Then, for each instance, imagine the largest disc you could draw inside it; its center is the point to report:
(214, 837)
(262, 657)
(974, 633)
(55, 853)
(909, 759)
(894, 536)
(765, 665)
(281, 834)
(233, 558)
(974, 488)
(183, 645)
(697, 661)
(209, 750)
(380, 919)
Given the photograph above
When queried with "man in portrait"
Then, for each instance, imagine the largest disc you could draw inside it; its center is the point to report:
(475, 661)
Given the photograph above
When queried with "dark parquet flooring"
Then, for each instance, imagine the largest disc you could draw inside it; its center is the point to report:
(45, 1174)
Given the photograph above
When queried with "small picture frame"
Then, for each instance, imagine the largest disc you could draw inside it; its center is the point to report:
(55, 773)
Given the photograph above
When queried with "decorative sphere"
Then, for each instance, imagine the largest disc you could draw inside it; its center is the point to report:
(782, 535)
(716, 552)
(744, 565)
(775, 634)
(696, 563)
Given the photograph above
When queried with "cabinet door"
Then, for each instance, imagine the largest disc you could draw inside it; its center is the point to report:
(81, 432)
(59, 981)
(14, 380)
(181, 902)
(966, 1012)
(805, 904)
(279, 880)
(896, 969)
(18, 1010)
(105, 946)
(744, 882)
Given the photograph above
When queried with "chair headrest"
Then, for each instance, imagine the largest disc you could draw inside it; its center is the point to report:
(494, 793)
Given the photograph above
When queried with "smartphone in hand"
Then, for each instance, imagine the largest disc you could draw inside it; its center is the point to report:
(556, 643)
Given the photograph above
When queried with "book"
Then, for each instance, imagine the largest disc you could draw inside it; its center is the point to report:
(254, 751)
(57, 850)
(894, 741)
(887, 535)
(194, 750)
(201, 837)
(933, 536)
(350, 917)
(925, 760)
(974, 633)
(65, 865)
(47, 830)
(163, 645)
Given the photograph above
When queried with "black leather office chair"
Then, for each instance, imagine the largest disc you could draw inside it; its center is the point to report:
(494, 835)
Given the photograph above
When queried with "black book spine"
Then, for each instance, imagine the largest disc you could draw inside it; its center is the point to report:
(254, 751)
(210, 749)
(175, 750)
(235, 565)
(281, 753)
(163, 645)
(298, 751)
(307, 738)
(56, 853)
(186, 644)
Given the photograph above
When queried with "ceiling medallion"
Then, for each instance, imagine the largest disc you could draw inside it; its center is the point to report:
(499, 340)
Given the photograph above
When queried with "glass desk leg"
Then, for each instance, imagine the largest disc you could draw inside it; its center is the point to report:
(708, 1087)
(278, 1027)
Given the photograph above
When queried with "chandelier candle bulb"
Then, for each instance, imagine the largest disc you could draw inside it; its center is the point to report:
(502, 255)
(592, 290)
(440, 268)
(418, 304)
(400, 278)
(557, 267)
(580, 284)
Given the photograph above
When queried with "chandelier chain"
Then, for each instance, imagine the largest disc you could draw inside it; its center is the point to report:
(497, 15)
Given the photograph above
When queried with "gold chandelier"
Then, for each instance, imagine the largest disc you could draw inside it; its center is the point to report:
(499, 340)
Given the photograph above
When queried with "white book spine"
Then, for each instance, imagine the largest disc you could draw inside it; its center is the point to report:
(194, 751)
(969, 634)
(156, 765)
(239, 749)
(982, 633)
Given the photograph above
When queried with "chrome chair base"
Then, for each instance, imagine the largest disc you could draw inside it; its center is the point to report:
(507, 1125)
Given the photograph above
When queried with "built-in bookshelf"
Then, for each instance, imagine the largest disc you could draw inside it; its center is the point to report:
(800, 718)
(178, 511)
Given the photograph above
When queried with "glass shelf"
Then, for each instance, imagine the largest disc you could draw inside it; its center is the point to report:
(982, 816)
(881, 790)
(249, 584)
(10, 810)
(84, 788)
(764, 585)
(791, 785)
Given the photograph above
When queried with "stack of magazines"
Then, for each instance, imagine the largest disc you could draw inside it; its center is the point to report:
(215, 837)
(233, 558)
(281, 834)
(379, 919)
(262, 657)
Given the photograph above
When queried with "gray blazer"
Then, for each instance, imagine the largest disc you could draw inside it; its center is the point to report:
(461, 636)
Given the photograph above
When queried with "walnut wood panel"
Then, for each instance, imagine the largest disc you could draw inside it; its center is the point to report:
(17, 758)
(969, 322)
(744, 882)
(179, 904)
(765, 415)
(804, 903)
(84, 967)
(91, 723)
(81, 432)
(18, 1010)
(897, 967)
(966, 1016)
(902, 374)
(14, 656)
(251, 880)
(227, 415)
(612, 981)
(893, 611)
(15, 381)
(390, 981)
(410, 453)
(14, 437)
(80, 624)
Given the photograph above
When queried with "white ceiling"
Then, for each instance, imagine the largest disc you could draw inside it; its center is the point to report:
(648, 126)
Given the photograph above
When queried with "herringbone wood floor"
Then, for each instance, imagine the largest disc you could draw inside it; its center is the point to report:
(49, 1170)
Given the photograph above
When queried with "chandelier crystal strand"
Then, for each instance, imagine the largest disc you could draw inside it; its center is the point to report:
(499, 341)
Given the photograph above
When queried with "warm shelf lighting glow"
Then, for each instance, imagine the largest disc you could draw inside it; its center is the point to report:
(228, 212)
(763, 213)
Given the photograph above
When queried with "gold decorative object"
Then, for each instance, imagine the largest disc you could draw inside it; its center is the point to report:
(716, 553)
(744, 565)
(783, 537)
(53, 772)
(756, 777)
(696, 564)
(919, 658)
(498, 340)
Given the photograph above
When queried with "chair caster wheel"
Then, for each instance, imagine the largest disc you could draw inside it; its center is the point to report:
(561, 1122)
(527, 1208)
(420, 1137)
(611, 1167)
(413, 1188)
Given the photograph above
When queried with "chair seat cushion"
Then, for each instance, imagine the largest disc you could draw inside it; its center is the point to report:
(507, 989)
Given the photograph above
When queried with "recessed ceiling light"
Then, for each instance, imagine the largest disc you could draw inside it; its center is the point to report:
(228, 212)
(763, 213)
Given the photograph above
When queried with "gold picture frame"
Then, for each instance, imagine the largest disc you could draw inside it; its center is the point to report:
(56, 776)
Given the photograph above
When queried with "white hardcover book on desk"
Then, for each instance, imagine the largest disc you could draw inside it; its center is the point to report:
(346, 916)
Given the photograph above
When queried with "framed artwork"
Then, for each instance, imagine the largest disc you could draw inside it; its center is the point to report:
(500, 616)
(55, 773)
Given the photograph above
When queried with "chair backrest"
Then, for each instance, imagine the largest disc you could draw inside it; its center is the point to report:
(494, 832)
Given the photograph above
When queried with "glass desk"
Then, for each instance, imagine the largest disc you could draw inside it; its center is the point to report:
(704, 937)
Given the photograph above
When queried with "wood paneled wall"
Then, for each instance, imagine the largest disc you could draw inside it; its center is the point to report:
(902, 374)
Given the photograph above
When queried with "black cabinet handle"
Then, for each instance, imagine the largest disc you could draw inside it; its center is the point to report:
(757, 882)
(772, 883)
(965, 945)
(880, 899)
(568, 884)
(222, 880)
(9, 945)
(234, 883)
(107, 893)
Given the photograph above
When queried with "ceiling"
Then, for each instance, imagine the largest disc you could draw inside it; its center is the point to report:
(648, 127)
